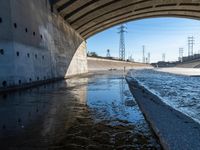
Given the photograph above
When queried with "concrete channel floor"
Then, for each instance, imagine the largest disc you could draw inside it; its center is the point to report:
(175, 130)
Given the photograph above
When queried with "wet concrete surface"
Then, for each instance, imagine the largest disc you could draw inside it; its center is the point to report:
(181, 92)
(175, 130)
(90, 112)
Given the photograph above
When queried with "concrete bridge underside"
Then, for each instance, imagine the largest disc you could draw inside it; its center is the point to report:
(89, 17)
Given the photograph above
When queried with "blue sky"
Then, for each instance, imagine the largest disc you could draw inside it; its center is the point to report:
(159, 35)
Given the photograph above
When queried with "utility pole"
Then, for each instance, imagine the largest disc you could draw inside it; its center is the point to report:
(108, 53)
(180, 55)
(163, 57)
(131, 58)
(143, 54)
(122, 42)
(149, 57)
(146, 60)
(190, 45)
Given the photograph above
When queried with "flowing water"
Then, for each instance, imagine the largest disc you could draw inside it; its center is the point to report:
(179, 91)
(91, 112)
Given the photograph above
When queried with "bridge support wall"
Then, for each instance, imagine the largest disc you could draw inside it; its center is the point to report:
(36, 44)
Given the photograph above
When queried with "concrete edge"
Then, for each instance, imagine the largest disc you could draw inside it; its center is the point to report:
(151, 123)
(38, 83)
(165, 140)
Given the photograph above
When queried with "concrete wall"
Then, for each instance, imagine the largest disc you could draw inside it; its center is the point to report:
(96, 64)
(36, 44)
(78, 65)
(190, 64)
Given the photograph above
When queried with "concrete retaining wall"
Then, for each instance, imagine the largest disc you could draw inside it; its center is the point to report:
(36, 44)
(191, 64)
(95, 64)
(78, 65)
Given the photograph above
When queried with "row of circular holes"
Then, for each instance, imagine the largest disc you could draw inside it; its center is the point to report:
(15, 25)
(28, 55)
(4, 83)
(26, 29)
(17, 53)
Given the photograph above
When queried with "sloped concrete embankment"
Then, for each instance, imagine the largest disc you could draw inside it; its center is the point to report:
(192, 72)
(98, 64)
(190, 64)
(175, 130)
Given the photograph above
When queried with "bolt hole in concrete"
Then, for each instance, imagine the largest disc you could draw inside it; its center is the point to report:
(89, 112)
(17, 53)
(15, 25)
(1, 51)
(1, 20)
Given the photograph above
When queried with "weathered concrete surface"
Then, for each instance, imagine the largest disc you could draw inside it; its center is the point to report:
(90, 17)
(191, 64)
(78, 65)
(175, 130)
(37, 44)
(180, 71)
(97, 64)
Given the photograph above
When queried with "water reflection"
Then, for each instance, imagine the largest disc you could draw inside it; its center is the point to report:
(113, 106)
(122, 89)
(81, 113)
(111, 99)
(39, 116)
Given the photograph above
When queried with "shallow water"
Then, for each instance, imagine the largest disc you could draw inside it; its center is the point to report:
(179, 91)
(95, 112)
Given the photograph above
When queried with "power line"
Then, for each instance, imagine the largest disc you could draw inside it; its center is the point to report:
(180, 54)
(149, 57)
(108, 53)
(122, 42)
(143, 54)
(190, 45)
(163, 57)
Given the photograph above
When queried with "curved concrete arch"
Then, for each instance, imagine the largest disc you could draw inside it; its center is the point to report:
(89, 17)
(101, 27)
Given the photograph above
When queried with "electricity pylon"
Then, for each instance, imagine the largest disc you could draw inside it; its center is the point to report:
(122, 42)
